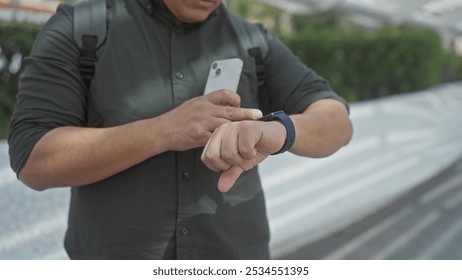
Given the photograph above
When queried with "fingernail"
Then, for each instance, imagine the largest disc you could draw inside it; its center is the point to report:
(257, 114)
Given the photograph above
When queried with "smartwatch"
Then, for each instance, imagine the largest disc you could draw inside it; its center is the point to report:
(281, 117)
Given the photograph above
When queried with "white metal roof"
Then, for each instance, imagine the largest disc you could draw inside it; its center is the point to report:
(441, 15)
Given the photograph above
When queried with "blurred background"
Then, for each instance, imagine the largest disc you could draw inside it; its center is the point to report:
(395, 192)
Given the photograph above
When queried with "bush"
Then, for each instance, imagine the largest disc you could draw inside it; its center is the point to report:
(453, 68)
(362, 66)
(15, 38)
(331, 19)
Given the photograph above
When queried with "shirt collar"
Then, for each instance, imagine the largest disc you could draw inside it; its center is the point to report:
(151, 5)
(147, 5)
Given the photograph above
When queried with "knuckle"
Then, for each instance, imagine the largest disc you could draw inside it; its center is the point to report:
(194, 101)
(210, 161)
(229, 112)
(228, 93)
(206, 157)
(227, 155)
(247, 152)
(200, 106)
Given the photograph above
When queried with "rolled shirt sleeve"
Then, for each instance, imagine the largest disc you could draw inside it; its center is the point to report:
(291, 85)
(51, 91)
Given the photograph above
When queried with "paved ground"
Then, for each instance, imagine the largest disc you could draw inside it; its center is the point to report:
(32, 224)
(423, 224)
(399, 143)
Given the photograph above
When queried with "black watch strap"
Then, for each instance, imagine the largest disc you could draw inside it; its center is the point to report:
(288, 124)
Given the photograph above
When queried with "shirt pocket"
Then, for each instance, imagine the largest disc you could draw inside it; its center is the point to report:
(127, 88)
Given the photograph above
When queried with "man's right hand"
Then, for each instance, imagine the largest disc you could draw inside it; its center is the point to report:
(191, 124)
(75, 156)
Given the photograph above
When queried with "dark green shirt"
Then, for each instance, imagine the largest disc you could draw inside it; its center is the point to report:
(168, 206)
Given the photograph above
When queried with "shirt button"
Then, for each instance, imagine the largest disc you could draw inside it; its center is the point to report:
(185, 231)
(186, 176)
(179, 31)
(149, 7)
(179, 75)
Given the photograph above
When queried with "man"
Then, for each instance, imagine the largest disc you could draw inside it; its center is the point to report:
(157, 169)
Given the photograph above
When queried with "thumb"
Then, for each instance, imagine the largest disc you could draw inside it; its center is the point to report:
(229, 177)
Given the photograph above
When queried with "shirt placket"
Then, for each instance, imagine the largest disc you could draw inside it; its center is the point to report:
(185, 230)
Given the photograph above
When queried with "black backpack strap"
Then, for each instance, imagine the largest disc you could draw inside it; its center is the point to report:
(259, 65)
(253, 40)
(257, 47)
(260, 68)
(90, 27)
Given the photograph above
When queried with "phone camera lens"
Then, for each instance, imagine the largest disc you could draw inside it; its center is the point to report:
(218, 72)
(214, 66)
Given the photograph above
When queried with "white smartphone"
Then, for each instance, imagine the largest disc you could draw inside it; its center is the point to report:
(224, 74)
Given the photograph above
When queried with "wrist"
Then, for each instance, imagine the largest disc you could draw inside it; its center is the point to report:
(288, 126)
(160, 136)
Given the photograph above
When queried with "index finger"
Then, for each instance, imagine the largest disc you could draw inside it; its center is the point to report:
(237, 114)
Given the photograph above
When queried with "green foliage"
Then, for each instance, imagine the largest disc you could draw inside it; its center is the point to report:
(240, 7)
(20, 33)
(453, 67)
(326, 20)
(13, 37)
(362, 66)
(257, 11)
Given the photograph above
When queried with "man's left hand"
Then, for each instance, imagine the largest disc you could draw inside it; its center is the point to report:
(239, 146)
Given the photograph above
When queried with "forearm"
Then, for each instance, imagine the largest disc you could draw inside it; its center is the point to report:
(74, 156)
(322, 129)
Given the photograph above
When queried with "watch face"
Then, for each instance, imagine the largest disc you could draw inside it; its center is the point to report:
(271, 116)
(275, 114)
